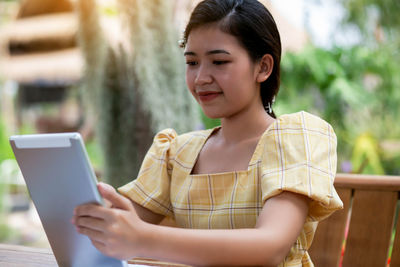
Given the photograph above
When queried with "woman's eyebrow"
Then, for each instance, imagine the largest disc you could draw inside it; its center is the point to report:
(218, 51)
(189, 53)
(211, 52)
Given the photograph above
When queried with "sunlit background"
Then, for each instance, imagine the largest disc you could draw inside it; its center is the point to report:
(113, 71)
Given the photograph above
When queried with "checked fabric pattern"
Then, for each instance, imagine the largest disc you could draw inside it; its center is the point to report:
(296, 153)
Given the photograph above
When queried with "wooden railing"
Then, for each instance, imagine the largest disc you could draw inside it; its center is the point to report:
(366, 224)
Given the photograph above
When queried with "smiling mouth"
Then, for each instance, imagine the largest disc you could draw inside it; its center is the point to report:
(208, 96)
(208, 93)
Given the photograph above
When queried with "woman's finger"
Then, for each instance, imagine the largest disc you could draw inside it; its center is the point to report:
(91, 223)
(94, 235)
(99, 245)
(108, 192)
(107, 203)
(91, 210)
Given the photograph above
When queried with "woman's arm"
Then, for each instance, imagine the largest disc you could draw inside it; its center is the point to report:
(278, 227)
(146, 214)
(119, 232)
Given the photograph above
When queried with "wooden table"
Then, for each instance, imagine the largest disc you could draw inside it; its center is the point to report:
(20, 256)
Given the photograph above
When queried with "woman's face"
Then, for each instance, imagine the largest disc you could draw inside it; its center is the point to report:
(219, 73)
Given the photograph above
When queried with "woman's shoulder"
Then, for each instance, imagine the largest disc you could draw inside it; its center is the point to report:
(195, 135)
(299, 155)
(300, 122)
(171, 135)
(176, 142)
(298, 127)
(303, 119)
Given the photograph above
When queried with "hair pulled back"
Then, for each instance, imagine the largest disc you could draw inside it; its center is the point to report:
(253, 26)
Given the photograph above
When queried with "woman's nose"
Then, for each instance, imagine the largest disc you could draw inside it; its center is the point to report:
(203, 76)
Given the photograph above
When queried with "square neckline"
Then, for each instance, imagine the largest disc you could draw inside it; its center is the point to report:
(210, 132)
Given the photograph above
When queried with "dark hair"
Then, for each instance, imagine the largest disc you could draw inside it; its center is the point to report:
(254, 27)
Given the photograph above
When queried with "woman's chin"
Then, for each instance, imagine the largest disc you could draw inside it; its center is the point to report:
(213, 115)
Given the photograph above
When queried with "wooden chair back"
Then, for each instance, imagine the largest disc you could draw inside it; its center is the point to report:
(370, 204)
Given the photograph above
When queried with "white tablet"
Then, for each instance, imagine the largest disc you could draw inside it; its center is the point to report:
(59, 177)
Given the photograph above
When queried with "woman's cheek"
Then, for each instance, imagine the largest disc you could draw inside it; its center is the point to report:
(190, 82)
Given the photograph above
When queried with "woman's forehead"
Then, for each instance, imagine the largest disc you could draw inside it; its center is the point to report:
(211, 37)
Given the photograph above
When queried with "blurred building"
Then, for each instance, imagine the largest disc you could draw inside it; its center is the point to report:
(39, 53)
(39, 46)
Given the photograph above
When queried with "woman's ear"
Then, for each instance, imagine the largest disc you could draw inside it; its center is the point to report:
(265, 67)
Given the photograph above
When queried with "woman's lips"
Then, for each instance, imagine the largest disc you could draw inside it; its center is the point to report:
(208, 96)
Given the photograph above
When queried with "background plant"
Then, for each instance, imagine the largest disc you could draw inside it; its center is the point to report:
(5, 154)
(134, 82)
(355, 88)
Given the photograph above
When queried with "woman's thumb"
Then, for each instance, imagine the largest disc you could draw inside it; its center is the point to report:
(108, 192)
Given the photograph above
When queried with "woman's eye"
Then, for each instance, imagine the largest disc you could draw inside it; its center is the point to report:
(191, 63)
(220, 62)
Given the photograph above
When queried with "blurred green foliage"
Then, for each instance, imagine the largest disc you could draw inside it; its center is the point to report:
(208, 122)
(94, 153)
(374, 18)
(355, 89)
(5, 148)
(5, 153)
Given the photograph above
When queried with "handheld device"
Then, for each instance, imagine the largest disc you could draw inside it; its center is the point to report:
(59, 177)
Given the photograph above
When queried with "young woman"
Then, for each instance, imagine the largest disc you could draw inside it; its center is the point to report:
(249, 192)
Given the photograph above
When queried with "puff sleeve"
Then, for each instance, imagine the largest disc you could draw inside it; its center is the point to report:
(301, 157)
(151, 189)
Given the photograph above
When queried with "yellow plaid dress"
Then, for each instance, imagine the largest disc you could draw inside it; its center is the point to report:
(296, 153)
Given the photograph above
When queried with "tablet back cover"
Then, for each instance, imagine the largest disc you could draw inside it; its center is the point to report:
(59, 177)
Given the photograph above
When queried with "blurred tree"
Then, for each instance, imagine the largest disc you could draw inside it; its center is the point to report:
(355, 89)
(134, 82)
(378, 20)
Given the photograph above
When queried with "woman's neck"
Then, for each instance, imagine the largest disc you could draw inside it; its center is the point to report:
(246, 125)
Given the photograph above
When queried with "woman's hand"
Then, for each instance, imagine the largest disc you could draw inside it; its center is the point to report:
(114, 229)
